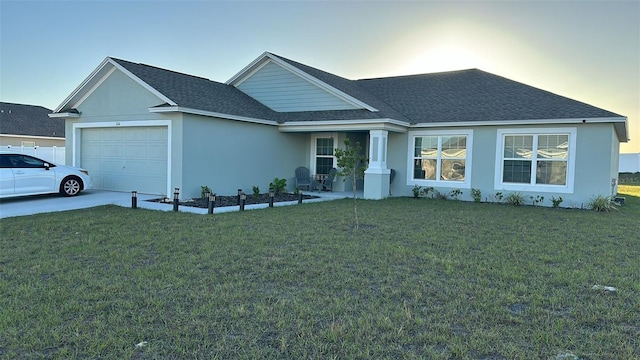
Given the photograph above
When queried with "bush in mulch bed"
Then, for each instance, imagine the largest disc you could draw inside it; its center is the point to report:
(222, 201)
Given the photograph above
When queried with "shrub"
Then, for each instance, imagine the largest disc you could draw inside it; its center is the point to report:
(417, 191)
(455, 193)
(204, 191)
(256, 193)
(440, 195)
(476, 194)
(602, 203)
(555, 201)
(498, 197)
(515, 199)
(278, 185)
(427, 190)
(536, 200)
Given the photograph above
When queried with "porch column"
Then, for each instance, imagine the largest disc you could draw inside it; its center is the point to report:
(376, 177)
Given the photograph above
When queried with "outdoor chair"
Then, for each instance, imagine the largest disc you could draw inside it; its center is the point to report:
(327, 183)
(303, 178)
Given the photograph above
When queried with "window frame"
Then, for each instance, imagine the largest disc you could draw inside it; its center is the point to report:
(313, 154)
(568, 187)
(466, 183)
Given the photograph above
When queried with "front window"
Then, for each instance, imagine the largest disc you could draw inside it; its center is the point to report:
(324, 155)
(441, 158)
(539, 158)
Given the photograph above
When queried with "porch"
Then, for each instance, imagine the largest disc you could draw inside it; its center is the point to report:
(373, 144)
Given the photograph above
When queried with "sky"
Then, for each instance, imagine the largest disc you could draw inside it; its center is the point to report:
(585, 50)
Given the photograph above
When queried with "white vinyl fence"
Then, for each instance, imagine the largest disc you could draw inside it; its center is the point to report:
(53, 154)
(629, 163)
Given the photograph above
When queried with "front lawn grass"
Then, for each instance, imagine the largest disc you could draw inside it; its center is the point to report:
(420, 279)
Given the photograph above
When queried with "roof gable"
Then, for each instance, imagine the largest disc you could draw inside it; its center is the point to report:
(30, 120)
(284, 91)
(287, 86)
(102, 72)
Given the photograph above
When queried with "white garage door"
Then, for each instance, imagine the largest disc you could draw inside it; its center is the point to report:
(126, 158)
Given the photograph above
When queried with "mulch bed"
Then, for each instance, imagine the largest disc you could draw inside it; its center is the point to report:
(222, 201)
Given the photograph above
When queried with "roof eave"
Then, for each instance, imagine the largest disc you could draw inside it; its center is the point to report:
(64, 115)
(619, 123)
(34, 136)
(345, 125)
(185, 110)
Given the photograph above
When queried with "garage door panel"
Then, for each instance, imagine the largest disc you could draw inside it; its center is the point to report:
(112, 166)
(110, 152)
(126, 158)
(91, 136)
(133, 151)
(156, 152)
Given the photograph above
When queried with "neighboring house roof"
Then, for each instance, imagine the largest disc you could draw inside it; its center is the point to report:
(464, 97)
(29, 120)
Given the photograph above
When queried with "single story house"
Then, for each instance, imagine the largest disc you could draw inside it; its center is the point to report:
(29, 126)
(139, 127)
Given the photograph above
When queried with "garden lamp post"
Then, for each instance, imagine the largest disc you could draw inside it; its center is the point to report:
(176, 199)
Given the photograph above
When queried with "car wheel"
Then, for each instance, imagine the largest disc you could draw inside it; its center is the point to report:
(70, 186)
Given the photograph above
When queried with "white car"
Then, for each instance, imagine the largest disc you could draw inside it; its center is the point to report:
(22, 175)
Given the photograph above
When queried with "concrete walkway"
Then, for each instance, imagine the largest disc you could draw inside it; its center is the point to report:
(30, 205)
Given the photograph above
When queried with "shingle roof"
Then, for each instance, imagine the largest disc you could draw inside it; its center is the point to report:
(30, 120)
(474, 95)
(456, 96)
(196, 92)
(203, 94)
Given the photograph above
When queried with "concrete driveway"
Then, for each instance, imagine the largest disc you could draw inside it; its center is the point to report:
(30, 205)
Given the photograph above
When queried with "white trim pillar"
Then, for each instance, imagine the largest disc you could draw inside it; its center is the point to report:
(376, 177)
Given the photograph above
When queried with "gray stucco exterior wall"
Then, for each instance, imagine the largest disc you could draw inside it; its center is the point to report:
(227, 155)
(596, 163)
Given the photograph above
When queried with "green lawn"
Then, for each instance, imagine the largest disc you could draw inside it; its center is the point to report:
(421, 279)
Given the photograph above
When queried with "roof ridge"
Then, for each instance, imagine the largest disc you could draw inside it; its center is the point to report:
(298, 64)
(20, 104)
(423, 74)
(159, 68)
